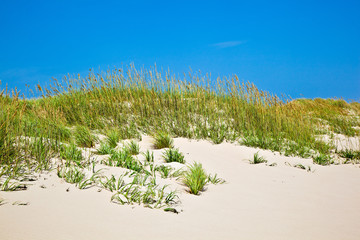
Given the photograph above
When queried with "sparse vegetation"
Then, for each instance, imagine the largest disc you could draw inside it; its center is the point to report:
(350, 154)
(83, 137)
(195, 178)
(258, 159)
(124, 159)
(71, 152)
(133, 148)
(113, 138)
(12, 185)
(163, 140)
(173, 155)
(300, 166)
(322, 159)
(74, 175)
(215, 180)
(104, 149)
(149, 157)
(164, 171)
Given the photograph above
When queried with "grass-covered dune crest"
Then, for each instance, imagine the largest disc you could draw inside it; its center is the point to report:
(152, 141)
(126, 103)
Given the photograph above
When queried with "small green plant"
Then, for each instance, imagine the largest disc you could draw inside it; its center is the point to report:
(217, 134)
(165, 171)
(12, 186)
(170, 198)
(322, 159)
(140, 179)
(133, 148)
(300, 166)
(173, 210)
(349, 154)
(71, 174)
(149, 157)
(215, 180)
(70, 152)
(42, 150)
(163, 140)
(85, 183)
(113, 138)
(83, 137)
(19, 203)
(125, 160)
(177, 173)
(257, 159)
(150, 195)
(112, 184)
(195, 178)
(173, 155)
(75, 176)
(104, 149)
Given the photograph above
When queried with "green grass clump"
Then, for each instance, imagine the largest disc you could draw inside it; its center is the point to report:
(125, 160)
(42, 150)
(104, 149)
(349, 154)
(10, 185)
(113, 138)
(74, 175)
(214, 179)
(165, 171)
(163, 140)
(339, 115)
(173, 155)
(322, 159)
(112, 184)
(195, 178)
(71, 152)
(83, 137)
(133, 148)
(218, 134)
(258, 159)
(149, 157)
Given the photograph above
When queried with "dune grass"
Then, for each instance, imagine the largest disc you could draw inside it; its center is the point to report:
(113, 138)
(195, 178)
(132, 147)
(83, 137)
(173, 155)
(163, 140)
(130, 102)
(258, 159)
(104, 149)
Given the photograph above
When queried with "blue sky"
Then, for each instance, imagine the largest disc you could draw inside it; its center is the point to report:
(300, 48)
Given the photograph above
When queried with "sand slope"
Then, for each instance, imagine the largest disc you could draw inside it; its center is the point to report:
(257, 202)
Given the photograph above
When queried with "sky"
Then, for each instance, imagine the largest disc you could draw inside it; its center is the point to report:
(298, 48)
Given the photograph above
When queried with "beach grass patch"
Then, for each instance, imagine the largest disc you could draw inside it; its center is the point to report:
(173, 155)
(163, 140)
(195, 178)
(258, 159)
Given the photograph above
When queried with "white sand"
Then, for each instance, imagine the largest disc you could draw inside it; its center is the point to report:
(342, 142)
(257, 202)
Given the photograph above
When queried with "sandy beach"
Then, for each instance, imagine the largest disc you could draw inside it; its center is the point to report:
(179, 120)
(257, 201)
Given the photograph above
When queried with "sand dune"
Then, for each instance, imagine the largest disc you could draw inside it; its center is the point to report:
(256, 202)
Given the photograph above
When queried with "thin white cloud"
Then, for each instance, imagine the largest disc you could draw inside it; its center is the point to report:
(228, 44)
